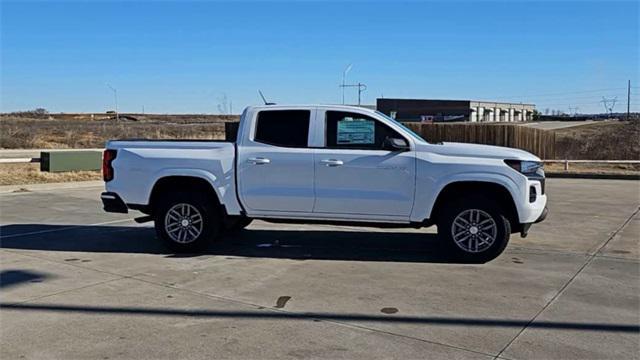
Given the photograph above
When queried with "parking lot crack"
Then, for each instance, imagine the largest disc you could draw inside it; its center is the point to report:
(69, 290)
(334, 322)
(67, 263)
(592, 255)
(65, 228)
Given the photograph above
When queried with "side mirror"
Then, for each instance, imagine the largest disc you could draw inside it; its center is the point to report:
(396, 144)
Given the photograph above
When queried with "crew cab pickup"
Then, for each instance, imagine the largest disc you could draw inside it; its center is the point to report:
(328, 164)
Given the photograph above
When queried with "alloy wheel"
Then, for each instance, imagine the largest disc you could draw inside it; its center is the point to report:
(474, 230)
(183, 223)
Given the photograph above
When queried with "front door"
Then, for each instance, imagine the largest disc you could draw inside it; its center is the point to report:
(356, 175)
(275, 167)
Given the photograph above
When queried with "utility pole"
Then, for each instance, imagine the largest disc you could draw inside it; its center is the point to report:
(361, 88)
(115, 95)
(628, 98)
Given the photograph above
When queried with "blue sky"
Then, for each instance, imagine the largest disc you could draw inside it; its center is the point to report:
(183, 57)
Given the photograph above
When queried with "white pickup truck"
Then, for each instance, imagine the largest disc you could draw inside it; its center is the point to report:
(327, 164)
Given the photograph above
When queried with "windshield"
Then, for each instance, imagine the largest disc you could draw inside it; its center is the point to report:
(411, 132)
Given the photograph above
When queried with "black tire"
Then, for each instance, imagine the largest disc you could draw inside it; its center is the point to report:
(195, 204)
(237, 224)
(478, 250)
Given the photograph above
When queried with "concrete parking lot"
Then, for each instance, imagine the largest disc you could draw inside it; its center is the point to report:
(80, 283)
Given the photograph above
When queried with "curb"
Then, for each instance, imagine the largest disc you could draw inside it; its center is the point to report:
(561, 175)
(26, 188)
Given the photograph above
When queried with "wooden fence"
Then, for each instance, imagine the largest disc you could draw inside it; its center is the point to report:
(539, 142)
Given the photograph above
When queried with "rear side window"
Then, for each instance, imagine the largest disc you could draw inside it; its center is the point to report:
(286, 128)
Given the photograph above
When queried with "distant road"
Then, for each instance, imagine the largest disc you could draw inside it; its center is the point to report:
(30, 153)
(555, 125)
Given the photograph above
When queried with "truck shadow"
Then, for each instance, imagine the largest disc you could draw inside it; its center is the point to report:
(303, 244)
(362, 245)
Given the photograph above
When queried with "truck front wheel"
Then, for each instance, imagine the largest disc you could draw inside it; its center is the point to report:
(474, 230)
(185, 221)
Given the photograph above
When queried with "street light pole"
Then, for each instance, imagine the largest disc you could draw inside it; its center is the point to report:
(115, 95)
(344, 75)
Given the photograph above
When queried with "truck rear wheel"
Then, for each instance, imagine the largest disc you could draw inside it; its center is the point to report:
(185, 221)
(474, 230)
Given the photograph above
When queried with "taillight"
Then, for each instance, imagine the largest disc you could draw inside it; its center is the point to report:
(107, 169)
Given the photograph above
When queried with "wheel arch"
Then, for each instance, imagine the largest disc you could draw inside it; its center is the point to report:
(194, 183)
(466, 188)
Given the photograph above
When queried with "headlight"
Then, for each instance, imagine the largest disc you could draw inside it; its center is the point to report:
(525, 167)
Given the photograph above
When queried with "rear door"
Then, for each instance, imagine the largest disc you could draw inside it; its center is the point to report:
(275, 165)
(355, 175)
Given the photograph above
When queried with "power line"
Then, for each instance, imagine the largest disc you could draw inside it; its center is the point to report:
(586, 97)
(595, 103)
(609, 104)
(573, 110)
(361, 88)
(560, 93)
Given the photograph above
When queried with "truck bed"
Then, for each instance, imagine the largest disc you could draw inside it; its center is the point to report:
(169, 140)
(140, 163)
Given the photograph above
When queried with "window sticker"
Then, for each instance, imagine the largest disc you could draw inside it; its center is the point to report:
(356, 131)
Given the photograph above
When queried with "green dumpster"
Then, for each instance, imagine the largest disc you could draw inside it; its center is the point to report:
(75, 160)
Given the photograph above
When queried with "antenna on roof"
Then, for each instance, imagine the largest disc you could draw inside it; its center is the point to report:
(265, 100)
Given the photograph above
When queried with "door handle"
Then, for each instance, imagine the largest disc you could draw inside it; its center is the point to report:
(258, 161)
(332, 162)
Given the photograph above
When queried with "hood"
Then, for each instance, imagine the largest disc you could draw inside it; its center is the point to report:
(481, 151)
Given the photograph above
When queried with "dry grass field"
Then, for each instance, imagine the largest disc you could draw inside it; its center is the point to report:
(606, 140)
(79, 131)
(84, 131)
(618, 169)
(21, 174)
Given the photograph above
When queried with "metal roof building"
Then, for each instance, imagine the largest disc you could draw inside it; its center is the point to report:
(454, 110)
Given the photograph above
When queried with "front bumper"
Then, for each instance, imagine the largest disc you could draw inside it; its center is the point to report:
(111, 202)
(530, 211)
(535, 209)
(524, 230)
(543, 215)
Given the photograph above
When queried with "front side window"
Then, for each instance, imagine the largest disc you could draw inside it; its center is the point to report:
(285, 128)
(346, 130)
(408, 130)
